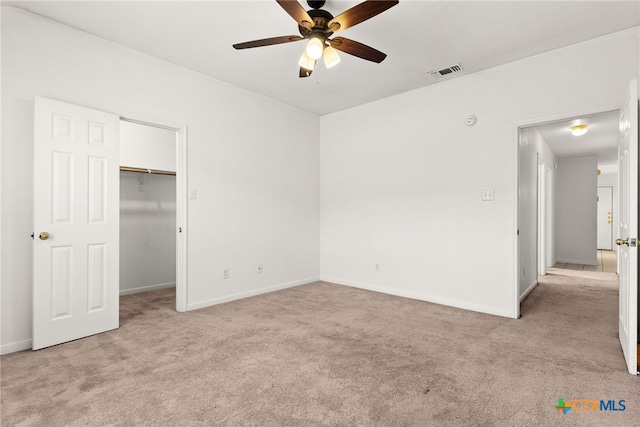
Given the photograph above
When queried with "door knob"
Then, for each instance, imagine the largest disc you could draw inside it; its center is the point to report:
(621, 242)
(44, 235)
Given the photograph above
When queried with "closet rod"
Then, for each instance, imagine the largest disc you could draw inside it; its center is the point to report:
(151, 171)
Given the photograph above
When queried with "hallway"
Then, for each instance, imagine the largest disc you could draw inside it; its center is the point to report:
(606, 263)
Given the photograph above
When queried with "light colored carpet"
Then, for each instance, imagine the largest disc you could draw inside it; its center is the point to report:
(323, 354)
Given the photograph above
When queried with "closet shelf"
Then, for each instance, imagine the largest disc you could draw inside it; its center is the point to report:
(149, 171)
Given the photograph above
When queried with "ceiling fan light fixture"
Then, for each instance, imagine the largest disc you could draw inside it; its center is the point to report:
(330, 57)
(306, 62)
(317, 25)
(578, 130)
(315, 48)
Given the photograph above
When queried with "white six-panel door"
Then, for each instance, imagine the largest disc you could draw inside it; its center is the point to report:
(76, 222)
(628, 227)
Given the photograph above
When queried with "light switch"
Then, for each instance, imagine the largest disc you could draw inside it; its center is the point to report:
(487, 195)
(192, 193)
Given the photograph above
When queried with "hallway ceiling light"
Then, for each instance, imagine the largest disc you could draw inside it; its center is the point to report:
(578, 130)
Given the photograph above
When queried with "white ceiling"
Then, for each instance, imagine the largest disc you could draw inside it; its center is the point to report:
(417, 36)
(600, 140)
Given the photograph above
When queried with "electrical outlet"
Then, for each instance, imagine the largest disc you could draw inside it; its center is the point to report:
(225, 273)
(488, 195)
(376, 266)
(259, 269)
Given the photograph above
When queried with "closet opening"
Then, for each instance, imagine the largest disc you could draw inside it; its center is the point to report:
(149, 230)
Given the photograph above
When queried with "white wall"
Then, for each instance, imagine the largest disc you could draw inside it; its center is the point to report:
(257, 180)
(147, 231)
(576, 210)
(531, 147)
(147, 147)
(401, 178)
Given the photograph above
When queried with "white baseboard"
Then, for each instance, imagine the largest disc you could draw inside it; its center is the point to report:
(528, 290)
(422, 297)
(26, 345)
(578, 261)
(241, 295)
(15, 346)
(146, 288)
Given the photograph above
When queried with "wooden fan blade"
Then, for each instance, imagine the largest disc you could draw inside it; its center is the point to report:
(360, 50)
(304, 72)
(359, 13)
(297, 12)
(267, 42)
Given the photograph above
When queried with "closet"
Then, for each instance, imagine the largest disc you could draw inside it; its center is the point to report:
(147, 208)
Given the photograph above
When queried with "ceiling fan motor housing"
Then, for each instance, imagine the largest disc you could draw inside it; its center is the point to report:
(315, 4)
(320, 18)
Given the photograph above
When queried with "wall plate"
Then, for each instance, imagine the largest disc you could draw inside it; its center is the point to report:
(470, 120)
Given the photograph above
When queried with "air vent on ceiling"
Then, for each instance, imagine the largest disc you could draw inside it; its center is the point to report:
(449, 70)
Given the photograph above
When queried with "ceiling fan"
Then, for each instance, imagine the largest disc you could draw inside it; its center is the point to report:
(317, 25)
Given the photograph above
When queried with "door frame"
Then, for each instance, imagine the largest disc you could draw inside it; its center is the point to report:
(550, 189)
(543, 219)
(181, 197)
(518, 126)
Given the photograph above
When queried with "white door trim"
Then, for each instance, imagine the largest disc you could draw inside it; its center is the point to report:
(542, 120)
(542, 218)
(549, 262)
(181, 197)
(515, 288)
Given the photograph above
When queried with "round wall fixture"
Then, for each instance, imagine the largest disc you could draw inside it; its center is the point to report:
(470, 120)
